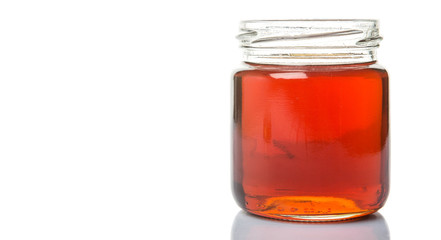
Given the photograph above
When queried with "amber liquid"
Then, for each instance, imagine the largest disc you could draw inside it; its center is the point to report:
(311, 143)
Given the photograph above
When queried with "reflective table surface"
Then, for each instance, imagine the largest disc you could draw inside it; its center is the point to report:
(247, 227)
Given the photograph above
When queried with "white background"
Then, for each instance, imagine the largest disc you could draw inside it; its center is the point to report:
(115, 115)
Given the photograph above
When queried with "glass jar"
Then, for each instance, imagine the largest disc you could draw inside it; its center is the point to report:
(311, 122)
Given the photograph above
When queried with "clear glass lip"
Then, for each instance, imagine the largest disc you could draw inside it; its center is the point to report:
(332, 23)
(309, 41)
(298, 22)
(311, 20)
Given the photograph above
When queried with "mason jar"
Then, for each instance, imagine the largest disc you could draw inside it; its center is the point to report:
(311, 120)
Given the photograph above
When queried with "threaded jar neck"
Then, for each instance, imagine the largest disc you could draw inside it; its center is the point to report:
(309, 42)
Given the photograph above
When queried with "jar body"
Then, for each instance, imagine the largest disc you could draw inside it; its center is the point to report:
(311, 143)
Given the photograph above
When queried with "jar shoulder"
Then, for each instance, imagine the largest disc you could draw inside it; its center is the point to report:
(371, 70)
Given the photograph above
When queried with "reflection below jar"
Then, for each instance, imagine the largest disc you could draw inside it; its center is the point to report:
(247, 227)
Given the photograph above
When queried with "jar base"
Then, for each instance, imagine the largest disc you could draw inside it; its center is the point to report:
(315, 218)
(305, 208)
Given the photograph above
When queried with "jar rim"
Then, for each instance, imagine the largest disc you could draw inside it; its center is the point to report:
(309, 41)
(283, 23)
(314, 20)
